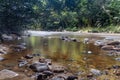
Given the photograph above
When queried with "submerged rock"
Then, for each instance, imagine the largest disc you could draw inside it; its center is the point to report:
(4, 74)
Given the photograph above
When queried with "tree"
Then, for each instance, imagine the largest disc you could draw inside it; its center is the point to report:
(15, 15)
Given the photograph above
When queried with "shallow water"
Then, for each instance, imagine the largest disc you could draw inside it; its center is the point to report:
(74, 55)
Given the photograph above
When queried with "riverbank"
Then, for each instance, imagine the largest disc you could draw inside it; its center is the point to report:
(47, 33)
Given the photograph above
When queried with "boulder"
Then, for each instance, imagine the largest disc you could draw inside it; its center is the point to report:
(4, 74)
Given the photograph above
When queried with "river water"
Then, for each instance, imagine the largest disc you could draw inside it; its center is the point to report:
(76, 56)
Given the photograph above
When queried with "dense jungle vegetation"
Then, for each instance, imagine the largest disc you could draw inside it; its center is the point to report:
(17, 15)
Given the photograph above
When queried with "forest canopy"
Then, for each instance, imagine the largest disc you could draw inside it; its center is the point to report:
(18, 15)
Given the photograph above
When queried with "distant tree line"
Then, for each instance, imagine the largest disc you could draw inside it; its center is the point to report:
(18, 15)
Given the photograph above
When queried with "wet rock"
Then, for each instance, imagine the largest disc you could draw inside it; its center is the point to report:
(63, 37)
(38, 67)
(116, 67)
(113, 53)
(109, 38)
(28, 56)
(19, 47)
(90, 75)
(22, 63)
(36, 54)
(74, 39)
(6, 37)
(58, 69)
(58, 78)
(1, 58)
(41, 76)
(95, 72)
(117, 59)
(42, 60)
(48, 73)
(99, 43)
(114, 43)
(3, 50)
(48, 61)
(4, 74)
(117, 73)
(86, 40)
(108, 47)
(72, 78)
(24, 44)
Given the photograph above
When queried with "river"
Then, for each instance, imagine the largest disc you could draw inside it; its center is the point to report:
(76, 56)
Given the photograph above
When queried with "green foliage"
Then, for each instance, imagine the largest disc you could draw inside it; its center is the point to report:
(18, 15)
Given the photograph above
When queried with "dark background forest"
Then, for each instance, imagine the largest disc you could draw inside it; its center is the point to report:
(58, 15)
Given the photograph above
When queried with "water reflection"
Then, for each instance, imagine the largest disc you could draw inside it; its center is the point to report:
(74, 55)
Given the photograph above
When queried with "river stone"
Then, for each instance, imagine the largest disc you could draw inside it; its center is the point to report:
(4, 74)
(38, 67)
(95, 72)
(117, 59)
(28, 56)
(58, 69)
(22, 63)
(108, 47)
(1, 59)
(114, 43)
(72, 78)
(58, 78)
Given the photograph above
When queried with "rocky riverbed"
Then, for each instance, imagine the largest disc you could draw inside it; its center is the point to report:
(34, 66)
